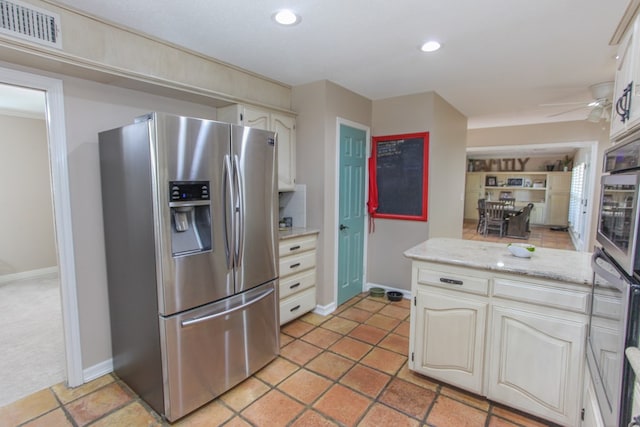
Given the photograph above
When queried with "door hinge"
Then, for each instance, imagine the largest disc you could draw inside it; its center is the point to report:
(582, 414)
(415, 301)
(241, 118)
(412, 356)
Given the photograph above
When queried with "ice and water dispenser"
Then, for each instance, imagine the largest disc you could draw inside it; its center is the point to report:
(190, 208)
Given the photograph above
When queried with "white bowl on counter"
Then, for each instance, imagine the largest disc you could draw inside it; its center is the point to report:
(521, 250)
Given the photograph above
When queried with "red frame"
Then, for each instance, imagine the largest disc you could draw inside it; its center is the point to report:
(425, 173)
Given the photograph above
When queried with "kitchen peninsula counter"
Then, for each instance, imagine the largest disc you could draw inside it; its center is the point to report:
(511, 329)
(545, 263)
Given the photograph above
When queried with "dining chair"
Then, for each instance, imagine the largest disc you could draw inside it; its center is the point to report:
(480, 225)
(518, 223)
(494, 217)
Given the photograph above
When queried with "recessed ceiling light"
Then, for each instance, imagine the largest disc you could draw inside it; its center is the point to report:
(286, 17)
(430, 46)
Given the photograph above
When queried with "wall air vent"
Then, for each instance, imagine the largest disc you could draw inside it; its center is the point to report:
(31, 23)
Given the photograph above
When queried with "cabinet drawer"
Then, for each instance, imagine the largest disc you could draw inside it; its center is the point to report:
(454, 281)
(541, 295)
(296, 245)
(297, 305)
(293, 264)
(296, 283)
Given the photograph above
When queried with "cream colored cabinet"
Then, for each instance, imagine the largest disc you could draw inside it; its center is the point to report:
(625, 110)
(474, 190)
(516, 340)
(283, 125)
(297, 276)
(536, 362)
(558, 195)
(448, 341)
(592, 416)
(537, 213)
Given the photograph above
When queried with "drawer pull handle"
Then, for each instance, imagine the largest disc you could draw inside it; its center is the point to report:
(297, 264)
(451, 281)
(295, 285)
(294, 248)
(297, 307)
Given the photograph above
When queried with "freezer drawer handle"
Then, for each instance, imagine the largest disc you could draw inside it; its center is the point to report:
(297, 307)
(451, 281)
(190, 322)
(294, 248)
(296, 265)
(295, 285)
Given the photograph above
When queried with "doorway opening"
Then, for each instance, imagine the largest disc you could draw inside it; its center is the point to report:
(58, 194)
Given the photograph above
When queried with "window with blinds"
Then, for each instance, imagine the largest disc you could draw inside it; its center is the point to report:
(576, 196)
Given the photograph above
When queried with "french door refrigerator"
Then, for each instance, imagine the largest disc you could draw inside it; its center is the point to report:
(190, 222)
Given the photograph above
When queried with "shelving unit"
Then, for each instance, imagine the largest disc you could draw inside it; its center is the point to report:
(548, 191)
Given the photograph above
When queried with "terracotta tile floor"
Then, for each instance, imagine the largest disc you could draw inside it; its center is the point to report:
(345, 369)
(540, 236)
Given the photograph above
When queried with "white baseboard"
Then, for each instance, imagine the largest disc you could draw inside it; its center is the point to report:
(98, 370)
(31, 274)
(324, 310)
(406, 294)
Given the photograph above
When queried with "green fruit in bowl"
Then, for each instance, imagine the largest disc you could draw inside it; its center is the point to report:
(521, 249)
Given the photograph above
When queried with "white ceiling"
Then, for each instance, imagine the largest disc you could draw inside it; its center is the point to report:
(500, 59)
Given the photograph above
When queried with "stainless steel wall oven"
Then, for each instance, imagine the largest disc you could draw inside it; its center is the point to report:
(615, 308)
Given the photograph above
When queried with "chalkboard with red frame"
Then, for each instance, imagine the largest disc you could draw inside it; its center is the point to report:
(401, 175)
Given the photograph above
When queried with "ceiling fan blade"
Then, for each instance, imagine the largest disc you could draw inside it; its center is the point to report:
(567, 111)
(564, 104)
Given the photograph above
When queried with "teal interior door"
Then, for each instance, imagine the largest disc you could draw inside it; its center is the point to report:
(353, 159)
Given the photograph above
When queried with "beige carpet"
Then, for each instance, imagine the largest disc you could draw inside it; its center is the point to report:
(31, 337)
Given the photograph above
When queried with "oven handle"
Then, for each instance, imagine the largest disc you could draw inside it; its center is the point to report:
(618, 281)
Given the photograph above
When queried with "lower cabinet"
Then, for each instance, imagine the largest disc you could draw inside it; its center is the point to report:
(536, 362)
(450, 330)
(516, 340)
(592, 416)
(297, 276)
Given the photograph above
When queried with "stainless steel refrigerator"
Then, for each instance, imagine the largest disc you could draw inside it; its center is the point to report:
(190, 220)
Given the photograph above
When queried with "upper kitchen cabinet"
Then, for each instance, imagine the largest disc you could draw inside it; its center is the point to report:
(625, 112)
(283, 125)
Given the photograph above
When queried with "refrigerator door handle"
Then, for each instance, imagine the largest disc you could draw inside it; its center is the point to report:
(227, 195)
(239, 243)
(197, 320)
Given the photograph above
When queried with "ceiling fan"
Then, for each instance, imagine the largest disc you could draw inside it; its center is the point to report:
(599, 107)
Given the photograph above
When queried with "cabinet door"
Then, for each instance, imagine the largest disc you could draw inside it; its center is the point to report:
(537, 214)
(624, 64)
(285, 129)
(474, 190)
(448, 343)
(536, 363)
(558, 195)
(255, 118)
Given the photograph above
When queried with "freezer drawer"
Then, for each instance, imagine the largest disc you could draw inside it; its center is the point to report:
(208, 350)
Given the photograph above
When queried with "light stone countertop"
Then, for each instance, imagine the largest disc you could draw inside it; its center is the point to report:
(290, 233)
(545, 263)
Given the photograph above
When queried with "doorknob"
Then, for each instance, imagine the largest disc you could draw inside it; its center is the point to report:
(343, 227)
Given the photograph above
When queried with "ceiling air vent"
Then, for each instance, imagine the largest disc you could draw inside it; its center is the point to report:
(31, 23)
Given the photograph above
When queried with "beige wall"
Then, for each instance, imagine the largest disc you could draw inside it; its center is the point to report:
(98, 50)
(319, 105)
(577, 131)
(447, 144)
(26, 217)
(90, 108)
